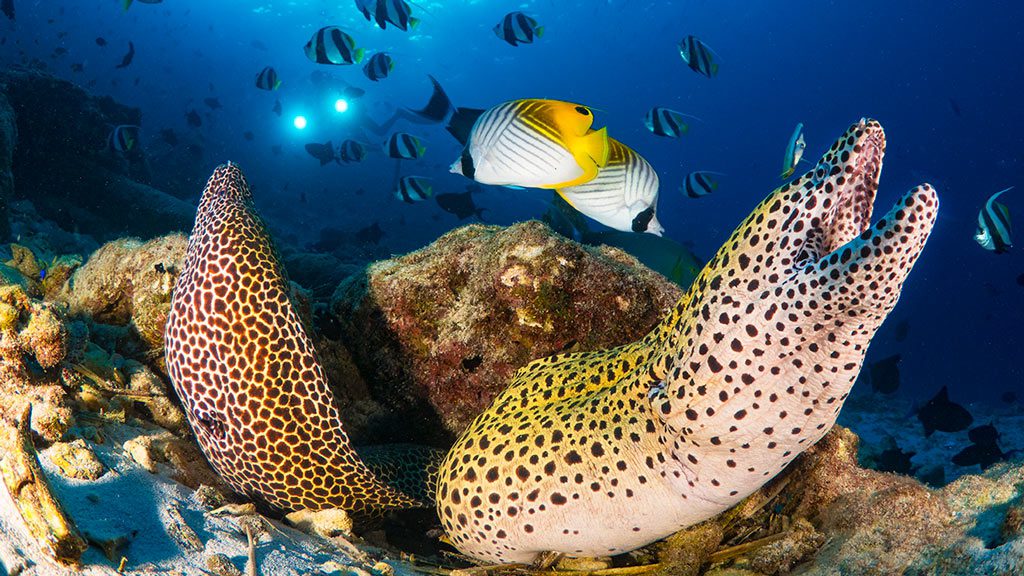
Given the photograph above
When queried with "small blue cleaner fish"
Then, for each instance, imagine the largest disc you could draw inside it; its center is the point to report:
(412, 189)
(698, 56)
(379, 66)
(404, 146)
(700, 183)
(123, 138)
(517, 28)
(994, 225)
(331, 45)
(267, 79)
(794, 151)
(666, 122)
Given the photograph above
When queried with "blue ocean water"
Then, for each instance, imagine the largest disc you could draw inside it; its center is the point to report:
(945, 80)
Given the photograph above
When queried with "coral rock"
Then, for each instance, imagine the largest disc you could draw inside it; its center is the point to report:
(128, 282)
(76, 460)
(438, 333)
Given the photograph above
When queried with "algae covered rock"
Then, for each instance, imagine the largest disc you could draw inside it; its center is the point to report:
(129, 282)
(438, 333)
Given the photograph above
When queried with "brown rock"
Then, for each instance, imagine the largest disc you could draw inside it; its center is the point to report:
(438, 332)
(76, 460)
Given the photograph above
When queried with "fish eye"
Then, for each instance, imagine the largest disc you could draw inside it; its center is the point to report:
(583, 110)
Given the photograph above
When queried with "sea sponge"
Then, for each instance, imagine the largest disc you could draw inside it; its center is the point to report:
(33, 343)
(129, 282)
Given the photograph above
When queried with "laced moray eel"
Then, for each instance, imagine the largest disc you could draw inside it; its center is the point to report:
(592, 454)
(254, 391)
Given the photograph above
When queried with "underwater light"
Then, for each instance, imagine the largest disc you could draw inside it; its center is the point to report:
(340, 105)
(299, 122)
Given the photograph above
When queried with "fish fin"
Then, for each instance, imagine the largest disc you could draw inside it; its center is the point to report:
(480, 214)
(438, 107)
(596, 146)
(127, 4)
(539, 31)
(567, 201)
(413, 22)
(358, 55)
(714, 68)
(461, 124)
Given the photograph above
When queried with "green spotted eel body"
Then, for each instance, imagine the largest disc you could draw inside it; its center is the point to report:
(599, 453)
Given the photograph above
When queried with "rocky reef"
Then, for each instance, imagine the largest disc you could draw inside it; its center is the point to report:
(438, 332)
(64, 167)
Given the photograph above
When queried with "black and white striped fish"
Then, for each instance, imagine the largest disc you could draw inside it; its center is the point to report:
(378, 66)
(331, 45)
(267, 79)
(530, 143)
(123, 138)
(351, 151)
(624, 195)
(397, 12)
(994, 225)
(700, 183)
(517, 28)
(666, 122)
(412, 189)
(698, 56)
(404, 146)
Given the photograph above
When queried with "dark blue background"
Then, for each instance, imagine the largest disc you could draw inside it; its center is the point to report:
(825, 64)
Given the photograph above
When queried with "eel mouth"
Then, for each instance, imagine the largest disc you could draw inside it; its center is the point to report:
(848, 174)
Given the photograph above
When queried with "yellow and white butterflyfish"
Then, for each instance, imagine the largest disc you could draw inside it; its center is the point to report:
(533, 143)
(624, 195)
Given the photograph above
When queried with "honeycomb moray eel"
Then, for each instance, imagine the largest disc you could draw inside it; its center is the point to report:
(592, 454)
(254, 391)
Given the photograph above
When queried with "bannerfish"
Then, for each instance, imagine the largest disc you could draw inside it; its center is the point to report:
(530, 143)
(7, 6)
(404, 146)
(123, 138)
(248, 135)
(277, 107)
(901, 331)
(126, 60)
(412, 189)
(370, 234)
(397, 12)
(517, 28)
(700, 183)
(127, 3)
(460, 205)
(698, 56)
(994, 225)
(331, 45)
(212, 103)
(984, 448)
(267, 79)
(885, 374)
(609, 450)
(351, 151)
(322, 152)
(169, 136)
(379, 66)
(101, 41)
(193, 119)
(794, 151)
(942, 415)
(666, 122)
(623, 196)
